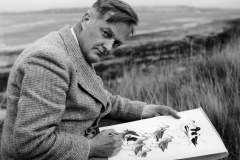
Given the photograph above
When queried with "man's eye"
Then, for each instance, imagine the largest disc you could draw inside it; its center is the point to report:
(115, 45)
(106, 34)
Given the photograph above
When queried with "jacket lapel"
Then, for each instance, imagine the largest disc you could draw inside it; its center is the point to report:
(87, 77)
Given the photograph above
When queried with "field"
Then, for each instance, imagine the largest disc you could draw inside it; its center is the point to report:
(212, 83)
(180, 56)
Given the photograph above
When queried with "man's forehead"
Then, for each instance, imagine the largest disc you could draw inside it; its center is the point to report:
(120, 31)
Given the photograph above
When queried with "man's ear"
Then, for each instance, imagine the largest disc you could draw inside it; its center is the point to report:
(85, 20)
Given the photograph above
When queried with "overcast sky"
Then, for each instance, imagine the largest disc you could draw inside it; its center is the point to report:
(34, 5)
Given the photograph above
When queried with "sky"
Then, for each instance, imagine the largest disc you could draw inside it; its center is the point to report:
(36, 5)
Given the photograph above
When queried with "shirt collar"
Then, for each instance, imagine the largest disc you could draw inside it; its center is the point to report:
(74, 35)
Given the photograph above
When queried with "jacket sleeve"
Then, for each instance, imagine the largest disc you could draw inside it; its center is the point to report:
(40, 109)
(125, 109)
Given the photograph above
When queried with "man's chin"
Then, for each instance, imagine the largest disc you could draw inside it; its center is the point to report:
(94, 57)
(94, 60)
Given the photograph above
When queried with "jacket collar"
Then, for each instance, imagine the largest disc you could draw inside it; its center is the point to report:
(87, 77)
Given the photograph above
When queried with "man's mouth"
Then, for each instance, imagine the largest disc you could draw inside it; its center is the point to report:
(103, 54)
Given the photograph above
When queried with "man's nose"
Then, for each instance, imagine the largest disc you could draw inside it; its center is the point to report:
(108, 45)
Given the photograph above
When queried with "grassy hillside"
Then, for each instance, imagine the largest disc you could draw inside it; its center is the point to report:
(212, 83)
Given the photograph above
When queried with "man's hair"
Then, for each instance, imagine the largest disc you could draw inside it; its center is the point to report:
(123, 12)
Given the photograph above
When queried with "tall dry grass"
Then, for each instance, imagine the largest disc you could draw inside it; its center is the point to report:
(212, 83)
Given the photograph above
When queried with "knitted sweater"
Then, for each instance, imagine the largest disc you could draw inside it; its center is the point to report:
(55, 101)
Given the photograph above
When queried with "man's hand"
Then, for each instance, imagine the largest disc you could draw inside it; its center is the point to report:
(106, 144)
(158, 110)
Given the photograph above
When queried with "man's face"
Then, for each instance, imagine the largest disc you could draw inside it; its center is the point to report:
(99, 37)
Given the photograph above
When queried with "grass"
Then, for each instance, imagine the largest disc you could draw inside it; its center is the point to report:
(212, 83)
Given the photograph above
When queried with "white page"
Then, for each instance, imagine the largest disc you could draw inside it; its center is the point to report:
(181, 146)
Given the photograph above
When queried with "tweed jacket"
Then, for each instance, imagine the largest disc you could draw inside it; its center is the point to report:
(55, 101)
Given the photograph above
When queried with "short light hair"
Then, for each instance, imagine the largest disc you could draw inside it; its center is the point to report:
(123, 12)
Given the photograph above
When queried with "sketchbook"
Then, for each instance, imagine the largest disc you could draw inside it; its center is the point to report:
(191, 137)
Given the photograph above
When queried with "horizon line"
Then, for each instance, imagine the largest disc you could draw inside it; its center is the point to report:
(49, 9)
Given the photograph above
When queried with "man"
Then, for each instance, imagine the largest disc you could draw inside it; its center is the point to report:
(55, 99)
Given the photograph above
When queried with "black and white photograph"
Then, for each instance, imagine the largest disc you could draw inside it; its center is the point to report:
(73, 71)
